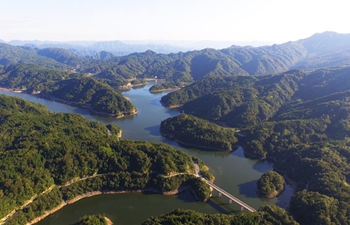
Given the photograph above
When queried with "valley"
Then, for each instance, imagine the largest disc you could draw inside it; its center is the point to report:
(287, 106)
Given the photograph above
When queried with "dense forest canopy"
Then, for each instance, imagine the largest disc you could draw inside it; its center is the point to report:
(192, 131)
(270, 184)
(92, 220)
(299, 119)
(44, 155)
(67, 87)
(267, 215)
(88, 92)
(13, 55)
(252, 100)
(318, 51)
(31, 77)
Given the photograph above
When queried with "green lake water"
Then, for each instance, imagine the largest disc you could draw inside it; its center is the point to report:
(234, 173)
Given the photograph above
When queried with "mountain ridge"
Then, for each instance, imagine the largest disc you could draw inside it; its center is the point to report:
(328, 49)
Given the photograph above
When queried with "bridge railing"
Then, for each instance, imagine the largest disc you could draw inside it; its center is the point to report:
(231, 197)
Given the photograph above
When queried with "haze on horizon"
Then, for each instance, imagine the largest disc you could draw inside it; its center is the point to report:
(240, 22)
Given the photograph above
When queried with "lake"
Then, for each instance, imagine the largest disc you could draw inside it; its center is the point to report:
(234, 173)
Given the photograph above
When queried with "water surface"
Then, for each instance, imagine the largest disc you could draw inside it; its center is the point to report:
(234, 173)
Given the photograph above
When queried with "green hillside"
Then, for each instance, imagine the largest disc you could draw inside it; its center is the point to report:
(267, 215)
(63, 56)
(318, 51)
(46, 155)
(31, 77)
(192, 131)
(87, 92)
(13, 55)
(298, 119)
(315, 52)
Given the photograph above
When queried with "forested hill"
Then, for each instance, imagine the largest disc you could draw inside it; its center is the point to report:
(250, 100)
(47, 159)
(298, 119)
(63, 56)
(318, 51)
(31, 77)
(267, 215)
(87, 92)
(66, 87)
(13, 55)
(235, 60)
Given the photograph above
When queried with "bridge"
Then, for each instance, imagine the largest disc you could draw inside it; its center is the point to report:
(230, 197)
(223, 192)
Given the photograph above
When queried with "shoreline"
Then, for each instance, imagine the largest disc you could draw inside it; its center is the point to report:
(203, 147)
(107, 192)
(88, 106)
(109, 221)
(128, 86)
(164, 90)
(6, 89)
(172, 136)
(274, 194)
(291, 183)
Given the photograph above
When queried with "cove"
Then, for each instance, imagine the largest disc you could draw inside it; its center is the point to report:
(234, 173)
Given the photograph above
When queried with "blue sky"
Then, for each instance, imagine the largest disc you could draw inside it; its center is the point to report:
(270, 21)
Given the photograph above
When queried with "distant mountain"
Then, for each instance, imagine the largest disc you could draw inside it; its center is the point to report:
(93, 48)
(326, 42)
(327, 49)
(12, 55)
(248, 100)
(310, 54)
(47, 44)
(267, 59)
(63, 56)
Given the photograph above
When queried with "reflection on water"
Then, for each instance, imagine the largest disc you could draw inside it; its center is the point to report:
(233, 172)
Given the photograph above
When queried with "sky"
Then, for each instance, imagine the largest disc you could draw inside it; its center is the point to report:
(236, 21)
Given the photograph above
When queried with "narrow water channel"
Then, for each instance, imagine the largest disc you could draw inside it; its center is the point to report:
(234, 173)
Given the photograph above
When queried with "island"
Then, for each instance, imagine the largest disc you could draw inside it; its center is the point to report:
(297, 119)
(191, 131)
(270, 185)
(94, 220)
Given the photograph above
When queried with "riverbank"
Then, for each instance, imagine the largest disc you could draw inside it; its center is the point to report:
(274, 194)
(189, 145)
(6, 89)
(89, 107)
(231, 170)
(129, 85)
(95, 193)
(291, 183)
(84, 106)
(108, 221)
(4, 219)
(208, 148)
(64, 202)
(164, 90)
